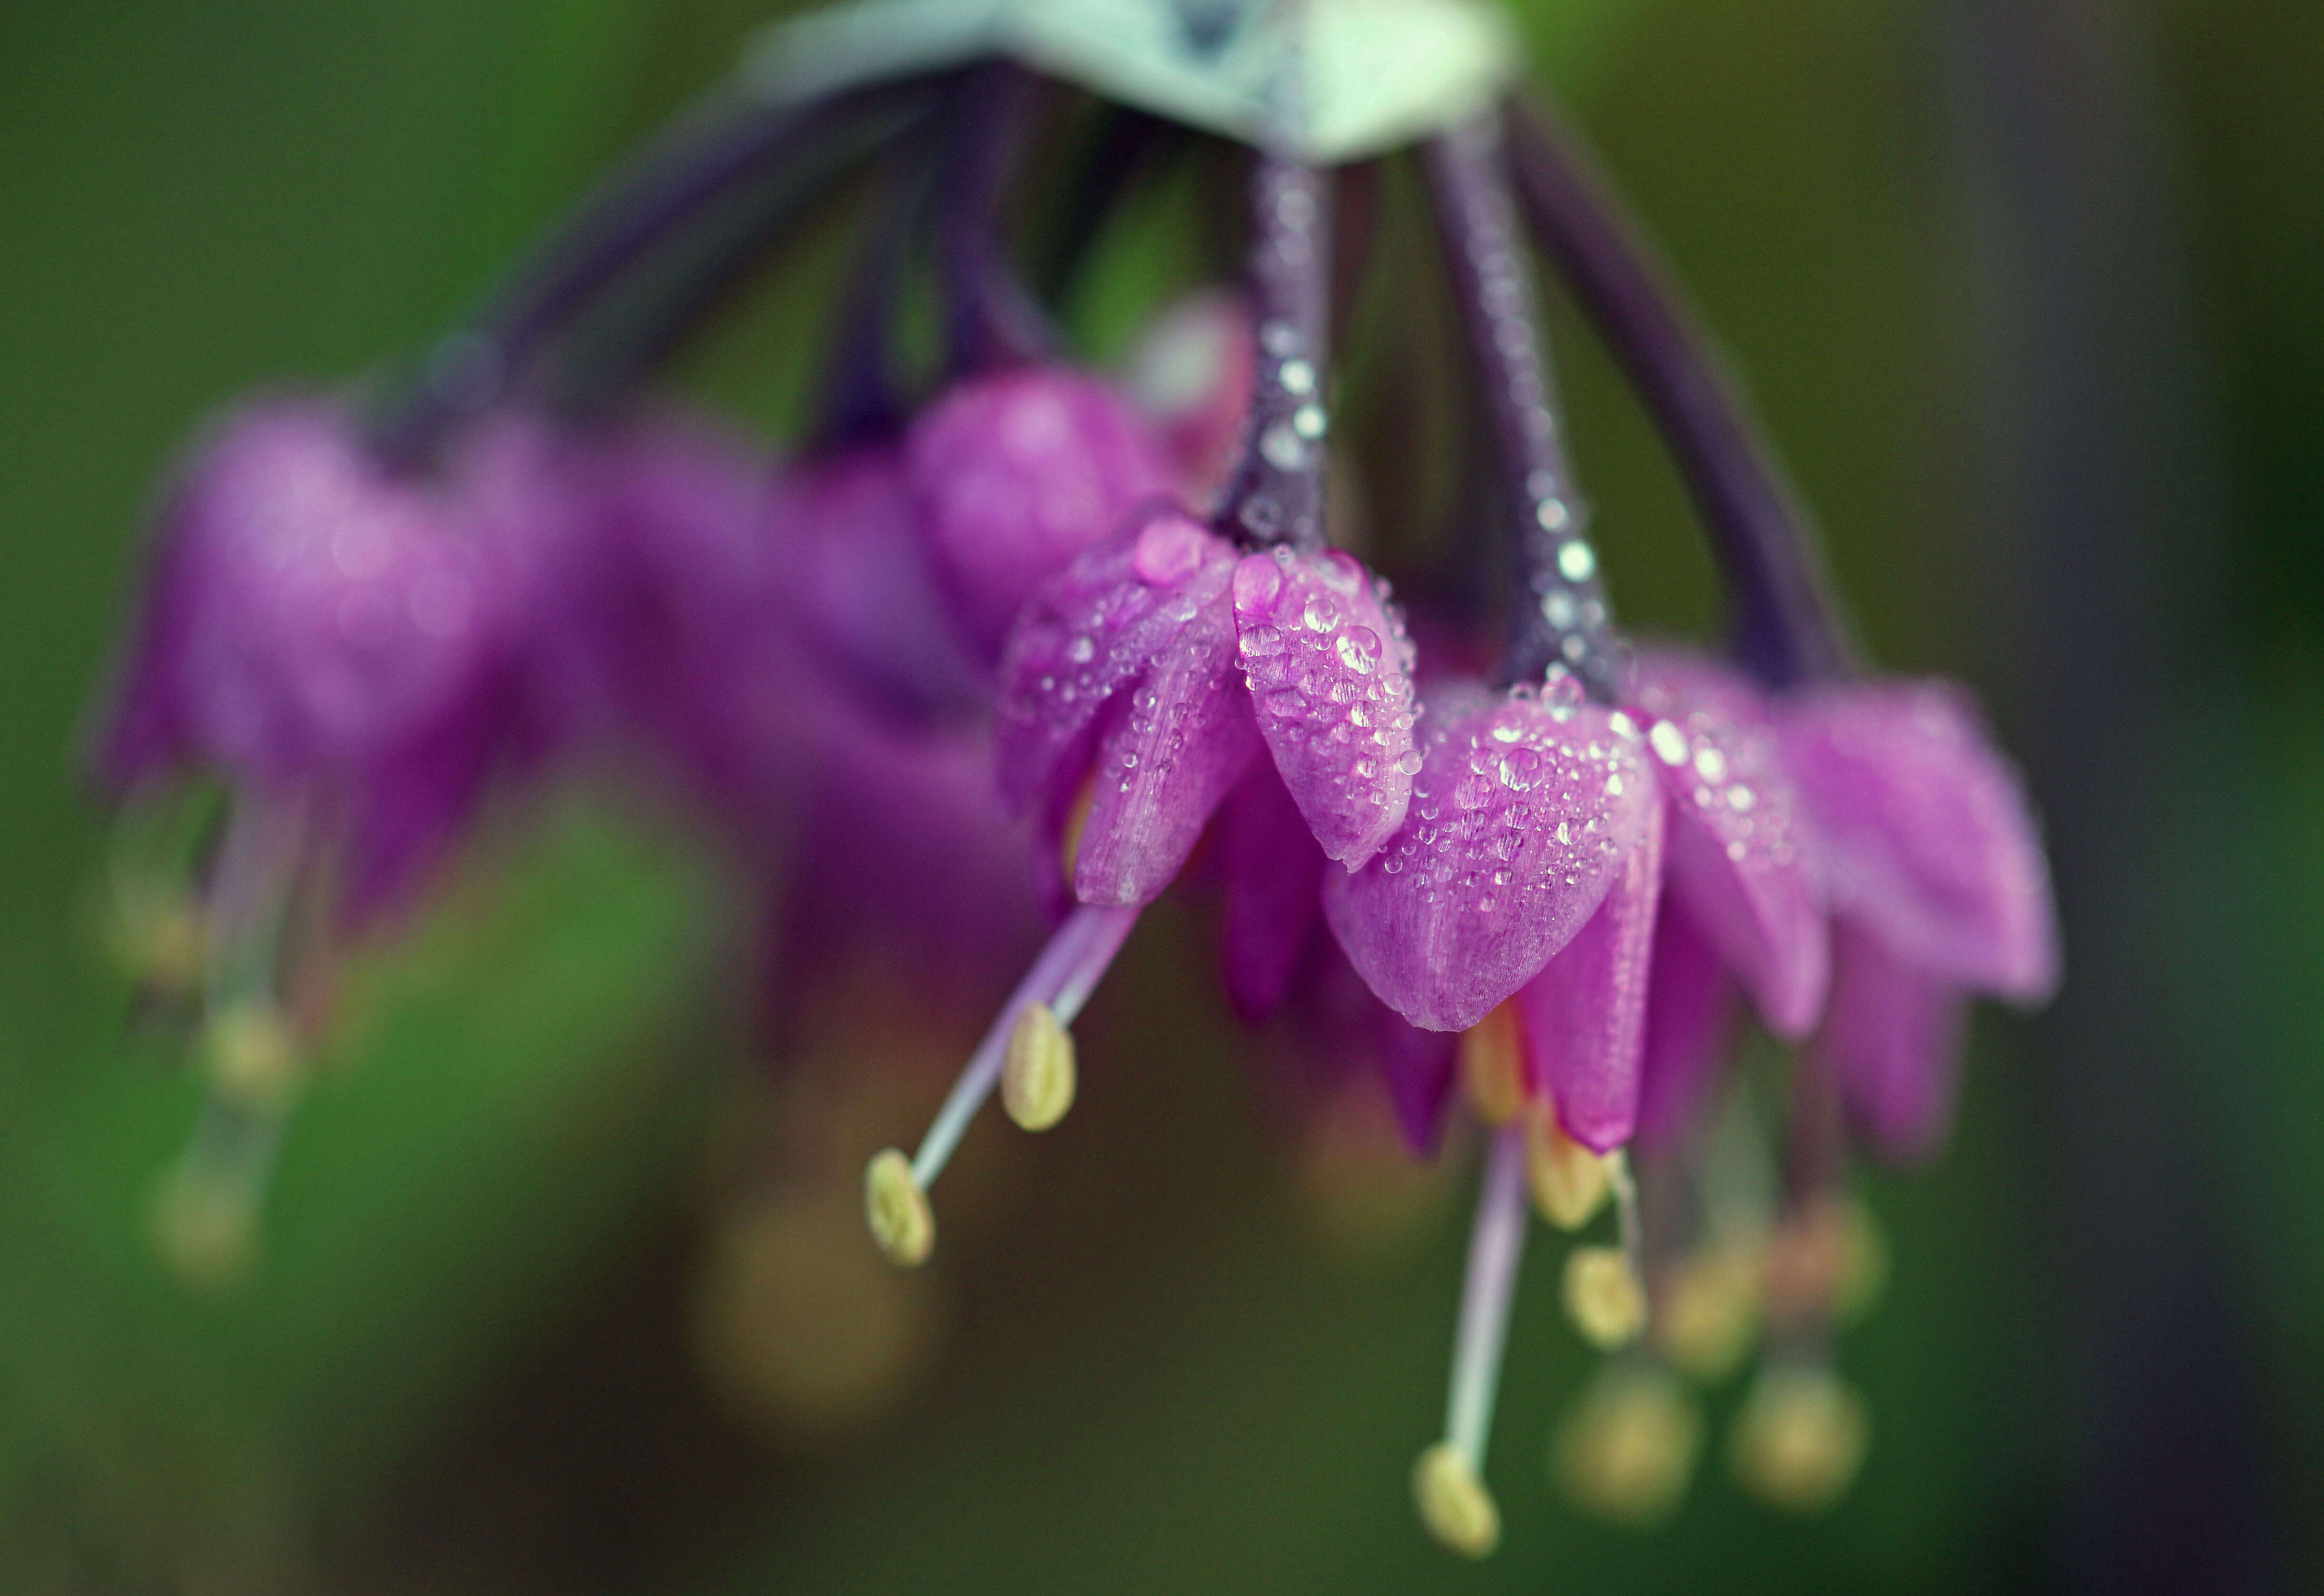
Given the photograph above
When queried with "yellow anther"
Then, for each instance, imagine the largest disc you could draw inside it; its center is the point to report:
(1455, 1504)
(1825, 1261)
(897, 1209)
(1069, 842)
(206, 1228)
(1492, 1065)
(251, 1053)
(1708, 1310)
(1568, 1180)
(162, 940)
(1627, 1452)
(1603, 1297)
(1037, 1076)
(1800, 1439)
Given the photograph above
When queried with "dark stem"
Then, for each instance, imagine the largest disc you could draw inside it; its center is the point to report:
(858, 396)
(1786, 628)
(993, 323)
(639, 324)
(1277, 493)
(1124, 152)
(1559, 619)
(704, 157)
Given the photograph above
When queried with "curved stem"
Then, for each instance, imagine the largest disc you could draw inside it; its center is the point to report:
(992, 321)
(1559, 616)
(706, 155)
(1787, 631)
(1277, 493)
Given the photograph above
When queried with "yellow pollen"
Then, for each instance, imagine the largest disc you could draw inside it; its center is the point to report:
(1627, 1452)
(162, 940)
(1568, 1180)
(206, 1227)
(1602, 1297)
(1709, 1309)
(1492, 1065)
(1037, 1076)
(1455, 1504)
(251, 1053)
(1069, 844)
(1800, 1439)
(897, 1209)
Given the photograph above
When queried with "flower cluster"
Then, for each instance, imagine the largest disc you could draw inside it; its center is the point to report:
(1003, 654)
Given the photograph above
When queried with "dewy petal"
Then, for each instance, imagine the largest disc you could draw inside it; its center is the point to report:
(1739, 854)
(1177, 743)
(1330, 669)
(1892, 1040)
(1521, 815)
(1585, 1014)
(1690, 1014)
(1089, 634)
(1123, 673)
(1016, 474)
(1924, 831)
(1274, 893)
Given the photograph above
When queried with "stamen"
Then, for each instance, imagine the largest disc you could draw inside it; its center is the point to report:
(1455, 1504)
(898, 1208)
(1801, 1438)
(1627, 1452)
(1603, 1297)
(1569, 1181)
(1707, 1310)
(1492, 1065)
(1448, 1480)
(205, 1215)
(253, 1054)
(1062, 979)
(1036, 1081)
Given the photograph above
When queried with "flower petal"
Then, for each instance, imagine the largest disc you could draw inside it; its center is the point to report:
(1274, 893)
(1924, 831)
(1739, 854)
(1521, 815)
(1016, 474)
(1691, 1013)
(1585, 1014)
(1173, 746)
(1330, 668)
(1090, 634)
(1892, 1041)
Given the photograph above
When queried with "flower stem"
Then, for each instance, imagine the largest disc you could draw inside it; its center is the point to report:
(993, 323)
(1558, 614)
(1787, 631)
(1496, 1245)
(1277, 493)
(704, 156)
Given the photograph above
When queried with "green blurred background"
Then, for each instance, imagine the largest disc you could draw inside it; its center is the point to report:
(2031, 295)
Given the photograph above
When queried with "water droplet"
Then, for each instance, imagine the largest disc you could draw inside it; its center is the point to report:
(1323, 613)
(1360, 649)
(1283, 448)
(1710, 763)
(1081, 650)
(1669, 743)
(1408, 762)
(1563, 695)
(1576, 560)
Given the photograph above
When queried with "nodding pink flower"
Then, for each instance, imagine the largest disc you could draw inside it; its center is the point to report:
(1938, 887)
(1016, 472)
(1742, 907)
(319, 630)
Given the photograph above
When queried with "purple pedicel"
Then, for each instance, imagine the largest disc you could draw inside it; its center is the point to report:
(1522, 813)
(1692, 1007)
(1015, 474)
